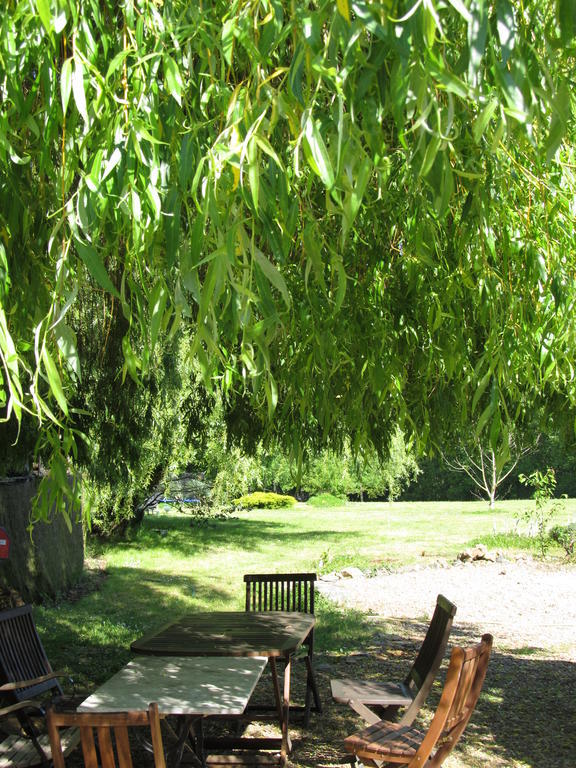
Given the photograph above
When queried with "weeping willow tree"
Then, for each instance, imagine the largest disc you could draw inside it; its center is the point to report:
(360, 213)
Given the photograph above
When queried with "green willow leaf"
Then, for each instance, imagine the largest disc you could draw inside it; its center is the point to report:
(506, 27)
(343, 9)
(156, 308)
(459, 6)
(132, 364)
(477, 36)
(67, 343)
(341, 282)
(271, 389)
(66, 83)
(295, 74)
(317, 154)
(481, 122)
(78, 89)
(273, 275)
(173, 78)
(44, 11)
(95, 266)
(228, 30)
(54, 380)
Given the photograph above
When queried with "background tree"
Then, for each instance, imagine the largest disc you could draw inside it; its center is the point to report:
(484, 466)
(361, 212)
(374, 478)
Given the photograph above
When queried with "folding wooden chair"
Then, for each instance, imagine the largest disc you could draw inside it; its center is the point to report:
(106, 736)
(413, 691)
(26, 677)
(287, 592)
(386, 743)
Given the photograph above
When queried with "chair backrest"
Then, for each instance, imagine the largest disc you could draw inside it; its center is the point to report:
(109, 732)
(427, 663)
(464, 681)
(280, 592)
(414, 748)
(22, 655)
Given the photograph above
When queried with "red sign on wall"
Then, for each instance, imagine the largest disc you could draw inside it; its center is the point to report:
(4, 544)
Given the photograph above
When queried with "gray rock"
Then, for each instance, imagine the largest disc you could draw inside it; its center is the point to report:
(351, 573)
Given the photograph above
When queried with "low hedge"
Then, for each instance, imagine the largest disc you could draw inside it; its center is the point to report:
(264, 500)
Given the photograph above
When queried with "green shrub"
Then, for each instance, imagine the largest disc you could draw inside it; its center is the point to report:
(326, 500)
(264, 500)
(565, 535)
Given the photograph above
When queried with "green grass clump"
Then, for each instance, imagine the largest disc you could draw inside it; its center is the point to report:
(507, 541)
(264, 500)
(326, 500)
(565, 536)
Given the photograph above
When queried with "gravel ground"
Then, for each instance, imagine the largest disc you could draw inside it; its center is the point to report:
(522, 603)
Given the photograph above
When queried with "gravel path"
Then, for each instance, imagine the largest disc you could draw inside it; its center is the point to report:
(523, 604)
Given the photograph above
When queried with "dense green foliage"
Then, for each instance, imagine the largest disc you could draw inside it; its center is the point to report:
(362, 212)
(265, 500)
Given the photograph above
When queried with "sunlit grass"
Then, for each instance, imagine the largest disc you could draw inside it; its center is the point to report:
(169, 567)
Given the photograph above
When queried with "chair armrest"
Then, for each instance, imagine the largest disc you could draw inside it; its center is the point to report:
(365, 712)
(27, 704)
(33, 681)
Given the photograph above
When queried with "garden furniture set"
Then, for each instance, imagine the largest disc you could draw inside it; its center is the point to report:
(205, 667)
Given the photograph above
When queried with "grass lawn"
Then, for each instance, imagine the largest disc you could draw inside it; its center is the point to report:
(169, 567)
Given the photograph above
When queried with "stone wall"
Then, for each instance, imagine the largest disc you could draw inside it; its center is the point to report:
(49, 562)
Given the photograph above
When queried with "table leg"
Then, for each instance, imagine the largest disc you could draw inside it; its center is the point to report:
(276, 686)
(286, 742)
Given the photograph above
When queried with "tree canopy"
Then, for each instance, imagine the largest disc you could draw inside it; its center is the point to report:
(358, 214)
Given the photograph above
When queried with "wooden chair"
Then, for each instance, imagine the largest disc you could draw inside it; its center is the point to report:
(26, 674)
(413, 691)
(386, 743)
(109, 732)
(287, 592)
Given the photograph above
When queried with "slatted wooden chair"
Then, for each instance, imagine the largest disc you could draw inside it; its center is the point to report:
(288, 592)
(386, 743)
(106, 736)
(410, 694)
(26, 678)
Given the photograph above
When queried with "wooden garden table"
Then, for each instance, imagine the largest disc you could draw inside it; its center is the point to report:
(191, 688)
(274, 634)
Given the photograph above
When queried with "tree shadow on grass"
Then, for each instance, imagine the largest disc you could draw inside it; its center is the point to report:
(90, 639)
(180, 536)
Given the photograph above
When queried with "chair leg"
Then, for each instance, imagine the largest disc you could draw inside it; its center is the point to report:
(30, 730)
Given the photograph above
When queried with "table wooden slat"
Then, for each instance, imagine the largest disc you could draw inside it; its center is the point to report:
(230, 633)
(180, 686)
